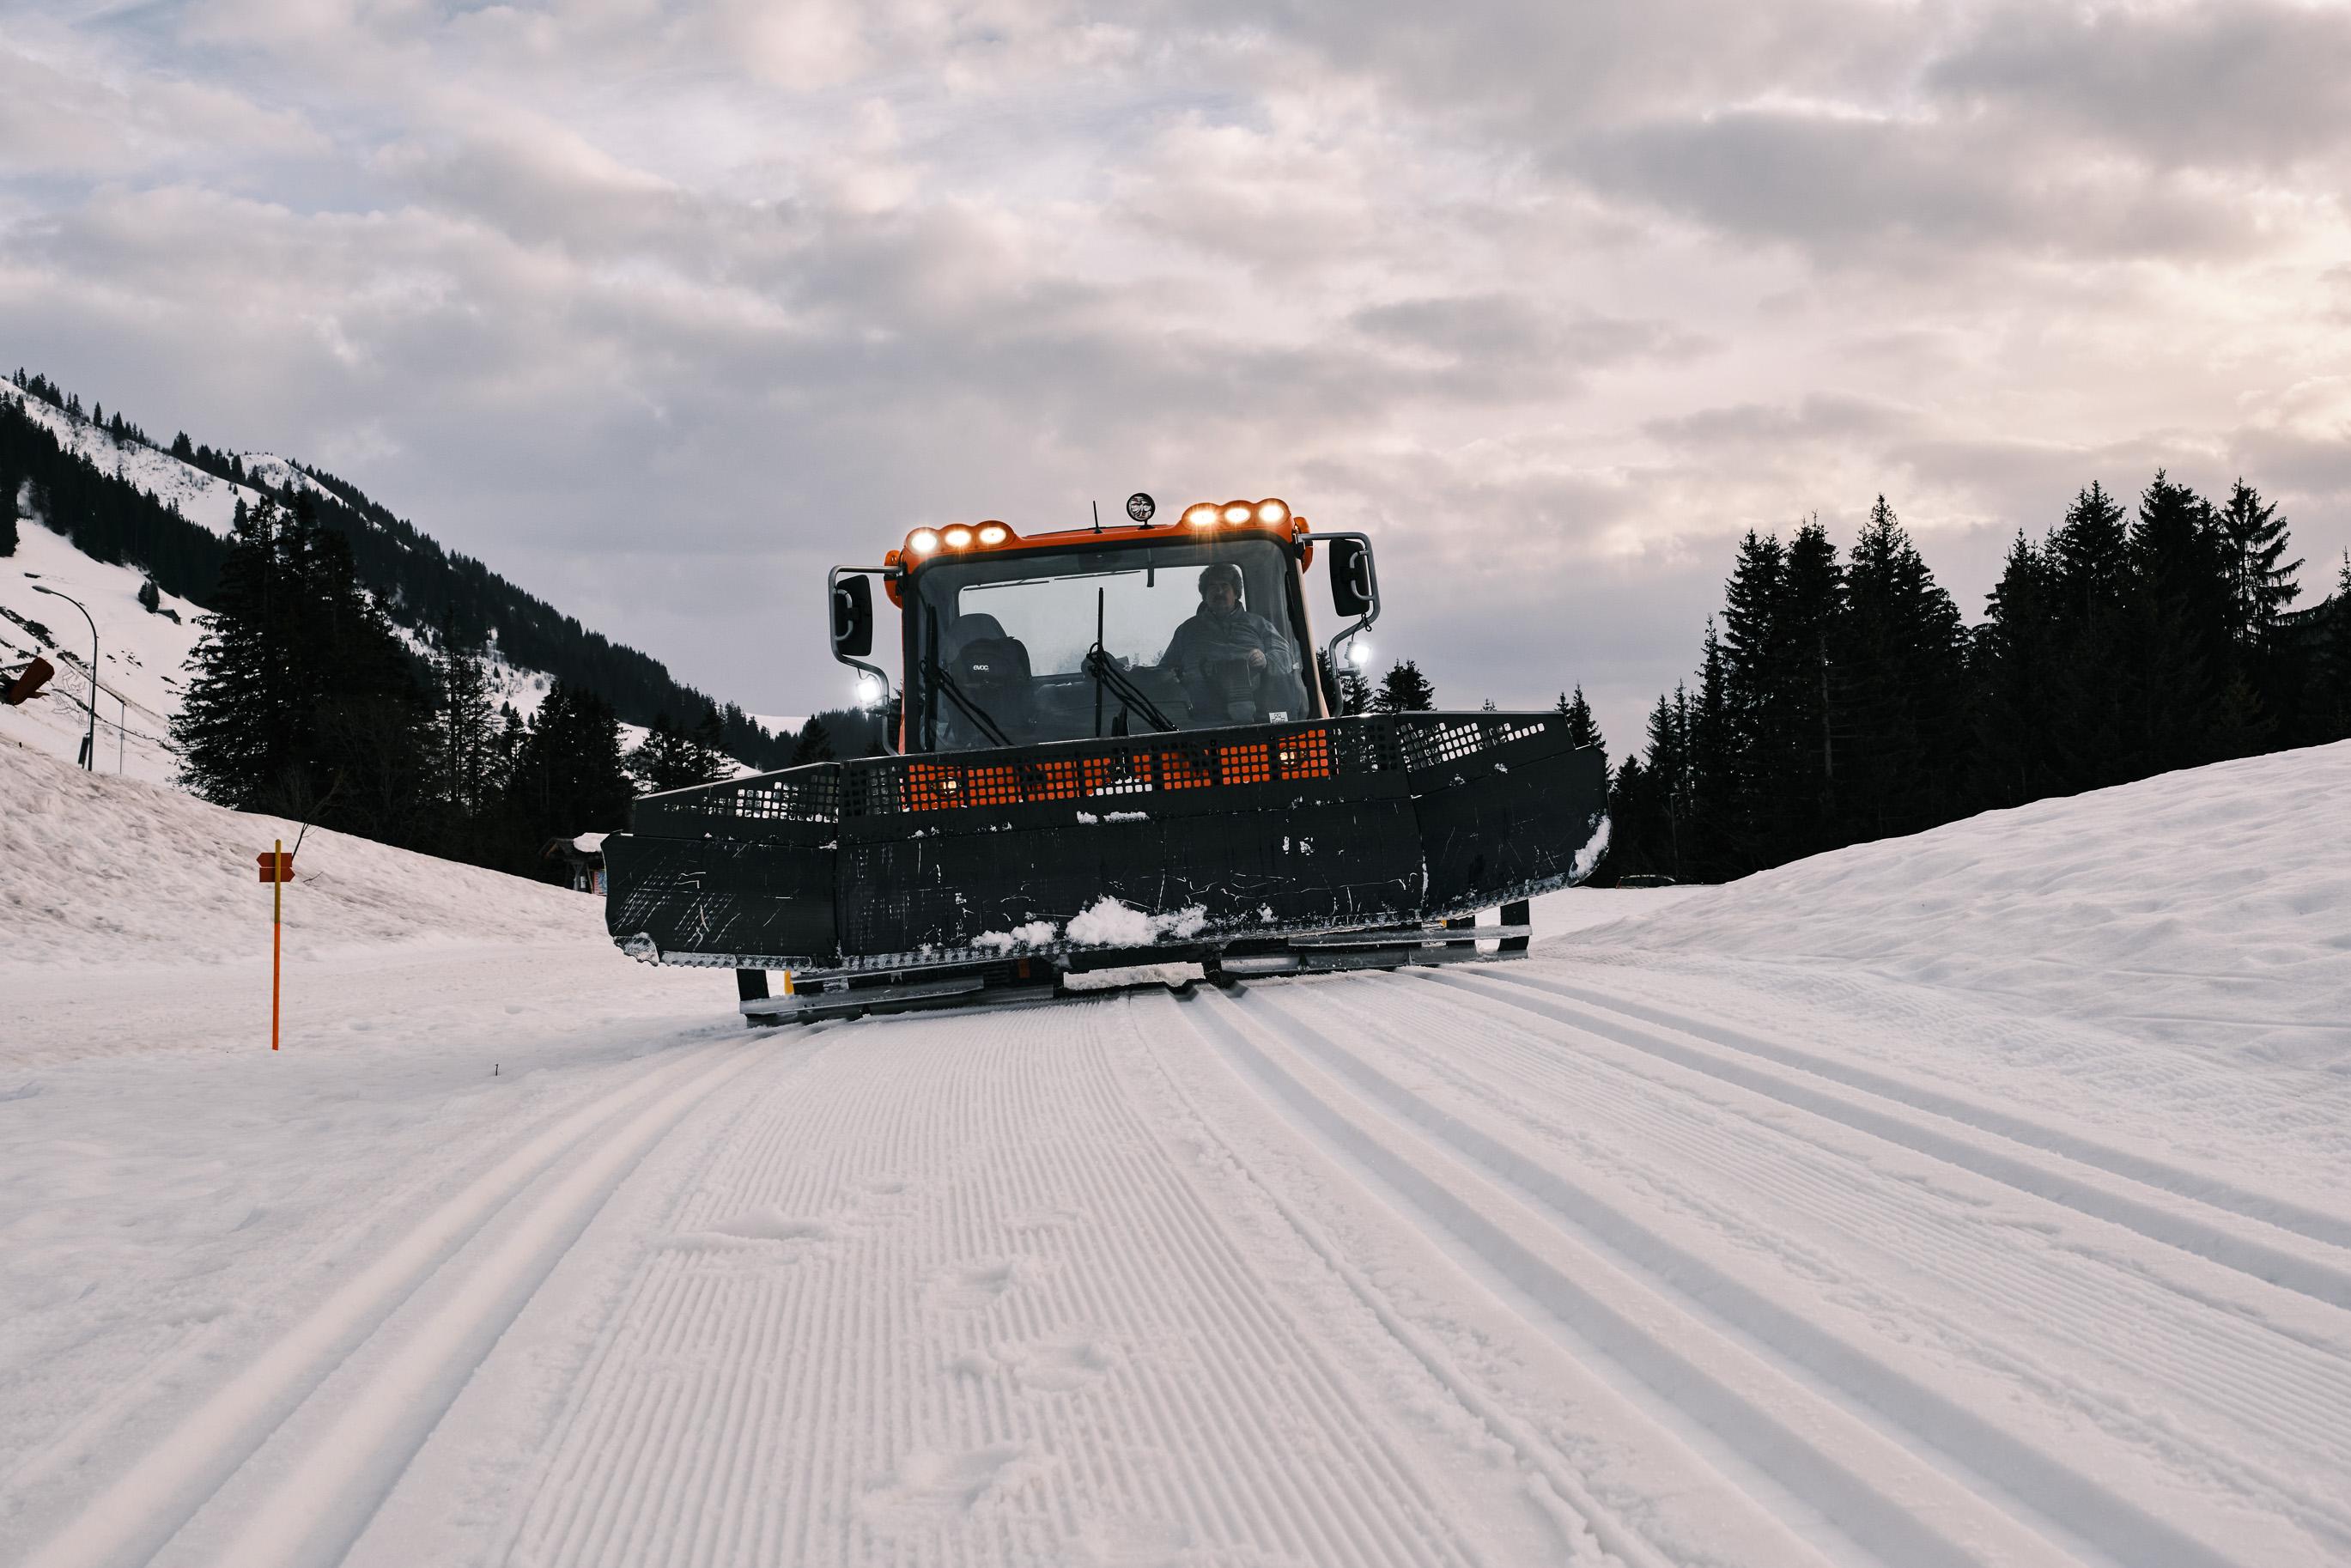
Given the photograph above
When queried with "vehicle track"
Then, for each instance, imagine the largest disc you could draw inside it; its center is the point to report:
(2292, 1257)
(1407, 1133)
(956, 1301)
(142, 1510)
(1987, 1293)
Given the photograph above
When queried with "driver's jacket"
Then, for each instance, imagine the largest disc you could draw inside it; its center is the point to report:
(1208, 636)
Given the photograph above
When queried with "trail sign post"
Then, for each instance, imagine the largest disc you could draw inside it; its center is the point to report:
(277, 870)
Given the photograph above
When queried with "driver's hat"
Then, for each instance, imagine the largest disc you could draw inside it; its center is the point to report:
(1223, 571)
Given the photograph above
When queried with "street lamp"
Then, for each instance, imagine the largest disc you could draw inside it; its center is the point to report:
(89, 737)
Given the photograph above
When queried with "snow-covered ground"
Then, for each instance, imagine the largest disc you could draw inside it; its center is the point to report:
(1976, 1199)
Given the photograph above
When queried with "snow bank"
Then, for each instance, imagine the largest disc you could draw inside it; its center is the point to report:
(2211, 905)
(101, 870)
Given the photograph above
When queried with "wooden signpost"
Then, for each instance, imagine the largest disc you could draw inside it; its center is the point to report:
(277, 869)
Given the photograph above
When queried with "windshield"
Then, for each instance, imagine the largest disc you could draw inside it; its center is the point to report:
(1002, 650)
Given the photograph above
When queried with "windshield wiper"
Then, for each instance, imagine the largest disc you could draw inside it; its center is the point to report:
(944, 682)
(1106, 674)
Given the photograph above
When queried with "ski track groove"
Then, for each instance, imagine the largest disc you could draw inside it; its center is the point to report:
(136, 1514)
(1255, 1444)
(2310, 1224)
(2272, 1373)
(2156, 1216)
(1896, 1409)
(1688, 1371)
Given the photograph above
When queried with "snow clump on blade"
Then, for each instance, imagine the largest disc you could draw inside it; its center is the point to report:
(1108, 923)
(1036, 933)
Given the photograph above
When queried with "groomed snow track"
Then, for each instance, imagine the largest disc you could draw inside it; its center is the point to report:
(1474, 1266)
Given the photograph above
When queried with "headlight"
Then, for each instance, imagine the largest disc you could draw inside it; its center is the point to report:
(1272, 512)
(957, 538)
(992, 533)
(1239, 512)
(922, 541)
(1201, 517)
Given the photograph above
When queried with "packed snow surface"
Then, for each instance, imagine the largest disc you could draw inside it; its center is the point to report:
(1978, 1198)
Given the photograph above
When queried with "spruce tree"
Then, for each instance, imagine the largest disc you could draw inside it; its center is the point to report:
(1354, 690)
(2189, 698)
(814, 744)
(240, 725)
(659, 761)
(1404, 689)
(2011, 661)
(707, 748)
(2254, 537)
(9, 486)
(463, 721)
(1901, 688)
(567, 776)
(1582, 729)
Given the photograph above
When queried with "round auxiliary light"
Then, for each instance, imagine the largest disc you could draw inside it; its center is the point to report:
(993, 533)
(956, 537)
(1203, 516)
(1359, 653)
(922, 541)
(870, 690)
(1237, 512)
(1272, 512)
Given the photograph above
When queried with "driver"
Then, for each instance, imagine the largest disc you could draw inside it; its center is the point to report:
(1227, 648)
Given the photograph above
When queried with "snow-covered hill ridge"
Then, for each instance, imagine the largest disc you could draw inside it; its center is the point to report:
(101, 872)
(2209, 907)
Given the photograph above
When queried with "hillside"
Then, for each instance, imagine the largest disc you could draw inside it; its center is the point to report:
(125, 500)
(1975, 1200)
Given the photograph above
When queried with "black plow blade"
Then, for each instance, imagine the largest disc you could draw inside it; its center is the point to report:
(1172, 845)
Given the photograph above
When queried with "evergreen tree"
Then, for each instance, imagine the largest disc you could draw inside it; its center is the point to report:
(1404, 689)
(659, 761)
(463, 726)
(1354, 690)
(814, 744)
(567, 776)
(2254, 537)
(302, 699)
(707, 748)
(2190, 701)
(2329, 707)
(2011, 661)
(1901, 688)
(9, 485)
(1582, 729)
(151, 597)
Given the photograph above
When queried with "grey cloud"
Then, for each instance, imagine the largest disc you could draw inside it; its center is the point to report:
(1845, 189)
(2244, 82)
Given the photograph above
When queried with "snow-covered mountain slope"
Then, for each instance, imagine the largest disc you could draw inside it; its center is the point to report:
(144, 655)
(1736, 1231)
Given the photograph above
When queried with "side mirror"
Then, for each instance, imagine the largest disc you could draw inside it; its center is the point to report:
(853, 617)
(1354, 588)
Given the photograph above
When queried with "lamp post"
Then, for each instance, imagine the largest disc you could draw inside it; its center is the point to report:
(89, 737)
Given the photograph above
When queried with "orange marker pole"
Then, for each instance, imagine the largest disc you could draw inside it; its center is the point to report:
(277, 931)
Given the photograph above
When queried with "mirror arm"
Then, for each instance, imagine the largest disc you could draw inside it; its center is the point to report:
(1372, 572)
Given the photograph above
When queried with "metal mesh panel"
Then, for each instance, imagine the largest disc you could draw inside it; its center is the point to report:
(808, 794)
(1429, 740)
(1138, 766)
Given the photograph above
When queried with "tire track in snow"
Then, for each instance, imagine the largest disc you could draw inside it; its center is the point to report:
(2296, 1262)
(2312, 1224)
(2205, 1381)
(953, 1301)
(1840, 1430)
(143, 1508)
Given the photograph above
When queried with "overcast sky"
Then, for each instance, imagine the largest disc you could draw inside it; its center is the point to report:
(660, 308)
